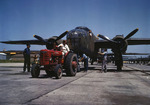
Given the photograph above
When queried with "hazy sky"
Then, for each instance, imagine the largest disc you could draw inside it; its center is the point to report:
(21, 19)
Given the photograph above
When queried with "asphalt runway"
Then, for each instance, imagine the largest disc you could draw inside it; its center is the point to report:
(131, 86)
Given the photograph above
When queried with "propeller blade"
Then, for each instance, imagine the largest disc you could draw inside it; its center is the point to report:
(131, 33)
(40, 38)
(105, 38)
(62, 35)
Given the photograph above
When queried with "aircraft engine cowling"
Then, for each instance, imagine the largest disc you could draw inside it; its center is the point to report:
(121, 44)
(50, 42)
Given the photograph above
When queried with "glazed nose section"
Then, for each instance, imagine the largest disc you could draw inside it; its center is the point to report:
(73, 41)
(72, 34)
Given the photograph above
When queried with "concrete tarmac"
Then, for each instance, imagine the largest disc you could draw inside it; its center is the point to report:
(131, 86)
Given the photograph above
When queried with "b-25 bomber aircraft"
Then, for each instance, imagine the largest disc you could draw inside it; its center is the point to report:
(82, 40)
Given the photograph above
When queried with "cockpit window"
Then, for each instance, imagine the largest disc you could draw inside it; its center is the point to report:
(85, 28)
(79, 31)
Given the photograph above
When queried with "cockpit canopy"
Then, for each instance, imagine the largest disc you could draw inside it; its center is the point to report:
(82, 27)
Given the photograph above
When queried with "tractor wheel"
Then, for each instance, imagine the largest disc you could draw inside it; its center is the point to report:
(35, 71)
(71, 64)
(58, 71)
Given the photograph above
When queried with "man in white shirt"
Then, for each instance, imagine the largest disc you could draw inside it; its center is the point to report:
(64, 47)
(104, 60)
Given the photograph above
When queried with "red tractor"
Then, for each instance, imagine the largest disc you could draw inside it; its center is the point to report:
(54, 63)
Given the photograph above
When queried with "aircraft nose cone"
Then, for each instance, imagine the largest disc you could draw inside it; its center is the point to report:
(72, 35)
(73, 40)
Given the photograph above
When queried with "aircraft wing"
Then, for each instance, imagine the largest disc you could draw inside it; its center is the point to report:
(110, 54)
(131, 41)
(13, 52)
(138, 41)
(34, 42)
(103, 44)
(136, 54)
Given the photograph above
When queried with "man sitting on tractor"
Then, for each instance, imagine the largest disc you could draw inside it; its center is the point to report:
(64, 47)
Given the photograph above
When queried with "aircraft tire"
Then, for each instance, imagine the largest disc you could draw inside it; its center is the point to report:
(35, 71)
(92, 61)
(119, 68)
(58, 71)
(70, 70)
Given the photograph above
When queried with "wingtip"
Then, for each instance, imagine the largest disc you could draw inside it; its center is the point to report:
(2, 42)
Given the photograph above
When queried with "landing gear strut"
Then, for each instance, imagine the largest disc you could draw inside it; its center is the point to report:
(118, 61)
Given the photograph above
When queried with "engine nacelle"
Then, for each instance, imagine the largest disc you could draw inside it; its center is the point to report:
(121, 44)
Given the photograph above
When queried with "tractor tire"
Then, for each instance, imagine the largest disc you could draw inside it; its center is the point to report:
(70, 70)
(35, 71)
(58, 71)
